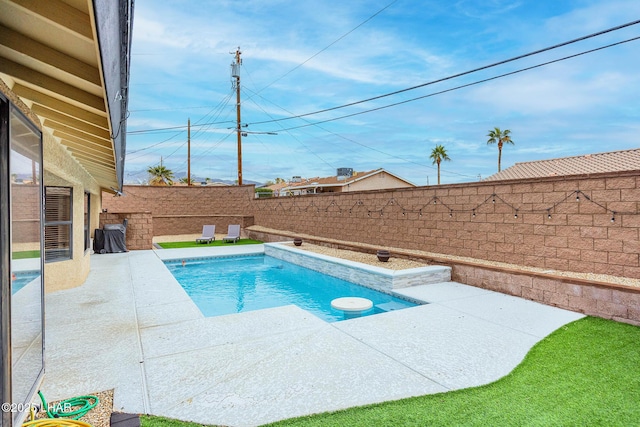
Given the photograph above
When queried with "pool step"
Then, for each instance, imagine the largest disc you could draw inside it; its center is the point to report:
(390, 306)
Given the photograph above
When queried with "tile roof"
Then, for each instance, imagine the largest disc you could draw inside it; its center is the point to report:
(278, 186)
(333, 180)
(613, 161)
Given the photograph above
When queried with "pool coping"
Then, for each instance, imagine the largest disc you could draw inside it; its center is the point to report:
(25, 265)
(207, 252)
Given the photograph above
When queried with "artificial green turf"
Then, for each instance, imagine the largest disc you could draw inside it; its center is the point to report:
(193, 244)
(25, 254)
(587, 373)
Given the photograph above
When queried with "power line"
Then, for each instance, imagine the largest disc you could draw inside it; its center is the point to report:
(292, 136)
(216, 145)
(419, 86)
(459, 87)
(251, 98)
(475, 70)
(328, 46)
(170, 109)
(181, 127)
(153, 145)
(350, 140)
(223, 103)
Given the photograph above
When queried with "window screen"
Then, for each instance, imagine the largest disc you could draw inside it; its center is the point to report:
(87, 221)
(58, 224)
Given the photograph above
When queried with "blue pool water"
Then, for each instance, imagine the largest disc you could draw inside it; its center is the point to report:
(233, 285)
(22, 278)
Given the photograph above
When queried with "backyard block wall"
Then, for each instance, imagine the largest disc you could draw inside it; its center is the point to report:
(139, 228)
(184, 210)
(610, 301)
(506, 221)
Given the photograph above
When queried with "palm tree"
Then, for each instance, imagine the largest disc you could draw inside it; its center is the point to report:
(438, 155)
(186, 180)
(501, 137)
(160, 175)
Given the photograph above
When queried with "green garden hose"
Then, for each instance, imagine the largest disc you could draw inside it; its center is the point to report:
(48, 422)
(73, 408)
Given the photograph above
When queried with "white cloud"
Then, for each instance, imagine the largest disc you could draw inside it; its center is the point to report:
(487, 9)
(181, 59)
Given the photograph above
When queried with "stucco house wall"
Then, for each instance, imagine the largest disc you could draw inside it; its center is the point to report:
(60, 169)
(379, 181)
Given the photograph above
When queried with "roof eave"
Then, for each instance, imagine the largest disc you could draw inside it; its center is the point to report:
(115, 56)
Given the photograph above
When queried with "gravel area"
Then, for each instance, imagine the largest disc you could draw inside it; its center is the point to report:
(100, 416)
(371, 259)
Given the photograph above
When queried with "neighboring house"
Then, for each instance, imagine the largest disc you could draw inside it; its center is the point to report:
(199, 184)
(345, 180)
(64, 74)
(277, 188)
(613, 161)
(214, 184)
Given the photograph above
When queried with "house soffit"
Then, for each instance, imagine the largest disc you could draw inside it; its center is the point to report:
(50, 58)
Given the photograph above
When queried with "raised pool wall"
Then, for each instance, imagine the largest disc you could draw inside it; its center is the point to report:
(378, 278)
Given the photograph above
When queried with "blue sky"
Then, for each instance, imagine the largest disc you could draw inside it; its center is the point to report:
(302, 56)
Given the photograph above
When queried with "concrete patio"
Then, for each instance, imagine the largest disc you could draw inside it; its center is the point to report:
(131, 327)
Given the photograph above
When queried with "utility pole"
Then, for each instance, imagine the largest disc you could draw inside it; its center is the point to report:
(235, 74)
(189, 152)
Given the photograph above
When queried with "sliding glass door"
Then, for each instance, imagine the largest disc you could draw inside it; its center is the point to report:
(21, 313)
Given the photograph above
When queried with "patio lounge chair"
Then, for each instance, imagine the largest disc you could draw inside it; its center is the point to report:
(233, 234)
(208, 234)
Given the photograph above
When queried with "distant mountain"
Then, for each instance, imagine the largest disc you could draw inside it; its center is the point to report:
(139, 177)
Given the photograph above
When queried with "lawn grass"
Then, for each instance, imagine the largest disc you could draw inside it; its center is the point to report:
(193, 244)
(25, 254)
(585, 373)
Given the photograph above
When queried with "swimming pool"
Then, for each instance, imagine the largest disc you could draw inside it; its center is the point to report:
(230, 285)
(20, 279)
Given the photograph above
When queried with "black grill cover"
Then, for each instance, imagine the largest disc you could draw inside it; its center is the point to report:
(112, 239)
